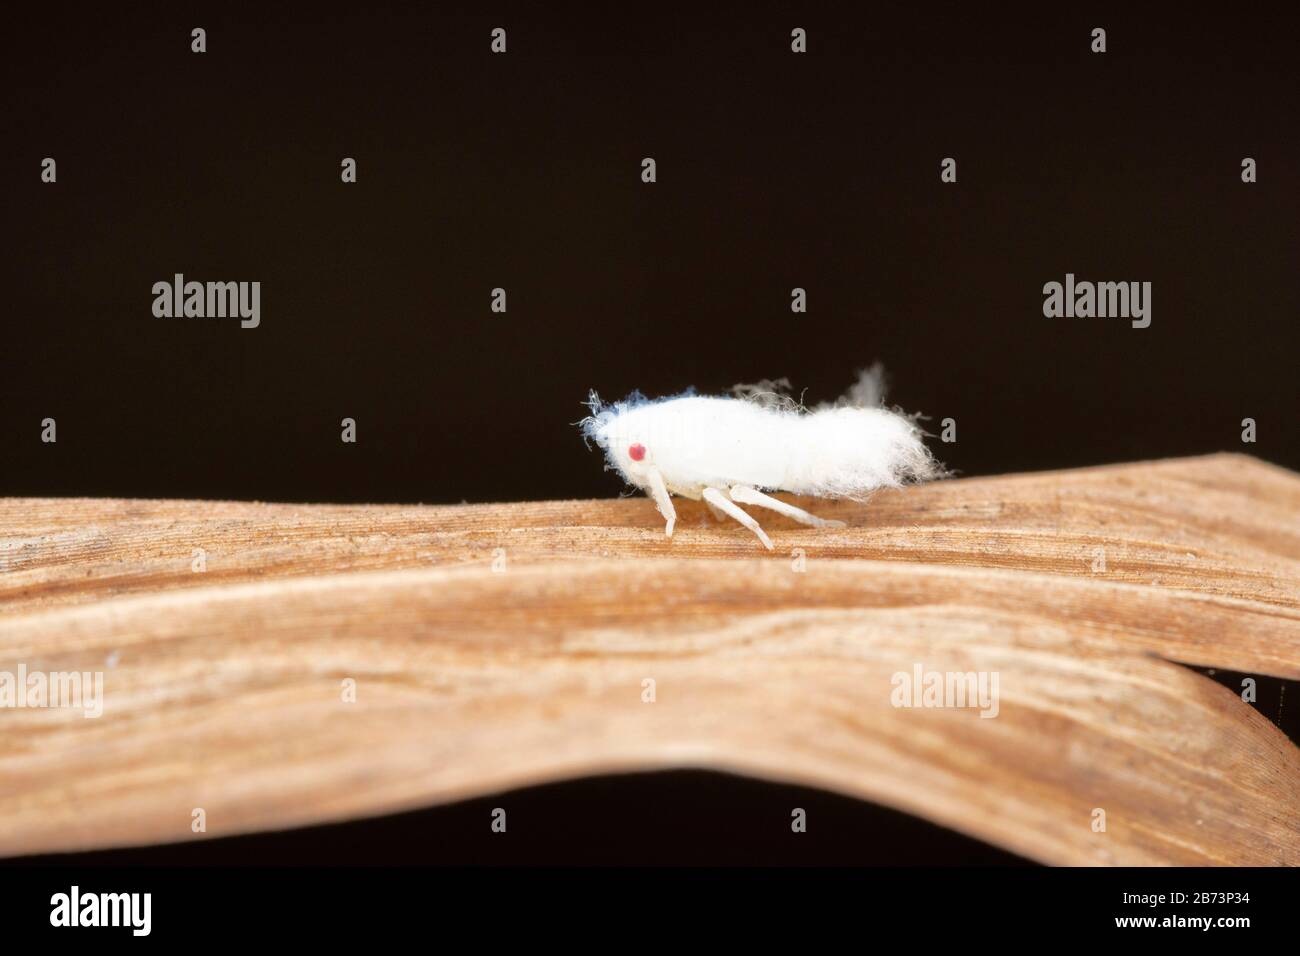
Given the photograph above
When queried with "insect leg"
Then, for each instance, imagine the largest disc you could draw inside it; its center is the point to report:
(662, 501)
(752, 496)
(715, 497)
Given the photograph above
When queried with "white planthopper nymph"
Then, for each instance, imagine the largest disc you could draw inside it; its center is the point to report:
(730, 450)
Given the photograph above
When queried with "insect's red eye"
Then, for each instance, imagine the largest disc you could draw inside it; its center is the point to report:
(636, 452)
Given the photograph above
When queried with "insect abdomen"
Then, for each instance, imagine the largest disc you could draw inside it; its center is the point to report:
(848, 452)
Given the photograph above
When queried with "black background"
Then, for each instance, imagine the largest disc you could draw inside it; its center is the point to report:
(522, 171)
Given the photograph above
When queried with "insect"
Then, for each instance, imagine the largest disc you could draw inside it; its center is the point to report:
(731, 450)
